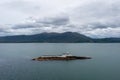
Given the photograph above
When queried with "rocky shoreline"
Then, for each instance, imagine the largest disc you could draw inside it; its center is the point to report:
(61, 58)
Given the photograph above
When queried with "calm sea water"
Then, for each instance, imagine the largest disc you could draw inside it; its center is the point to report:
(16, 63)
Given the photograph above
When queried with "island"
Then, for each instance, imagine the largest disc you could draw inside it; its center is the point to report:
(64, 56)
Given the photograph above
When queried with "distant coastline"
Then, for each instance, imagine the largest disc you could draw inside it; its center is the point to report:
(66, 37)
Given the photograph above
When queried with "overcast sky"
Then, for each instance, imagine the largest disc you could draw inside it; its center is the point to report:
(94, 18)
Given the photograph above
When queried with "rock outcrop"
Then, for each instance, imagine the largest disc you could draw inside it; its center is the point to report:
(60, 58)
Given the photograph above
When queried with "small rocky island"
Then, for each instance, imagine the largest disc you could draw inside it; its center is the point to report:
(65, 56)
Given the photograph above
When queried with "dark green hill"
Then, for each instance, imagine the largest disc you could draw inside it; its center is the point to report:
(107, 40)
(67, 37)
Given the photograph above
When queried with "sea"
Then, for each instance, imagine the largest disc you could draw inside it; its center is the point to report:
(16, 61)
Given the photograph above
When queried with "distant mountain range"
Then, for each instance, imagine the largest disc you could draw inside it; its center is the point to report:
(67, 37)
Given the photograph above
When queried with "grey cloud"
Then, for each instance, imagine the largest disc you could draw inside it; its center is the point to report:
(102, 25)
(23, 6)
(26, 26)
(97, 11)
(102, 33)
(57, 21)
(53, 22)
(93, 18)
(2, 30)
